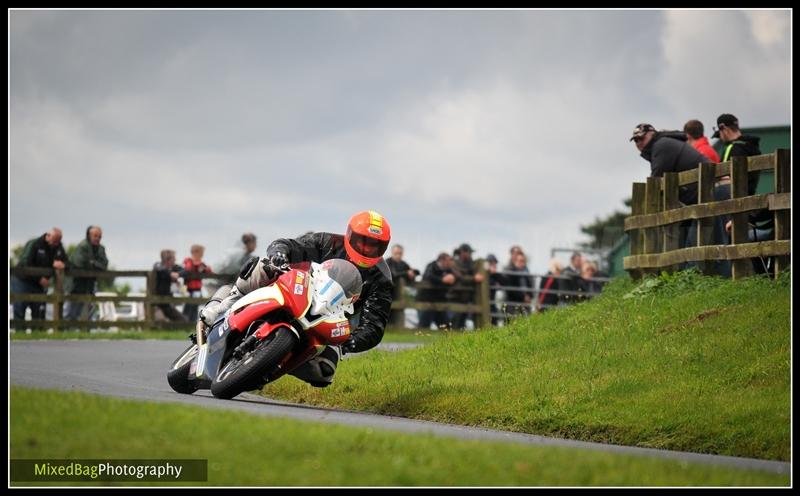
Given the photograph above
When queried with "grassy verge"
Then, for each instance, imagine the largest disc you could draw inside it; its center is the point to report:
(681, 362)
(248, 450)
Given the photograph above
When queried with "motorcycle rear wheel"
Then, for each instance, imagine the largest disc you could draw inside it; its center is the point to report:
(178, 375)
(248, 373)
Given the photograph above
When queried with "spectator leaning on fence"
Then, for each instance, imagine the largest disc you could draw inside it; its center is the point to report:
(669, 152)
(549, 286)
(695, 136)
(570, 276)
(518, 301)
(167, 272)
(586, 283)
(46, 251)
(496, 280)
(740, 145)
(194, 265)
(439, 274)
(400, 271)
(88, 255)
(468, 279)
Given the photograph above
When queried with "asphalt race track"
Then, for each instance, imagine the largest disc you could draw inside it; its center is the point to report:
(136, 369)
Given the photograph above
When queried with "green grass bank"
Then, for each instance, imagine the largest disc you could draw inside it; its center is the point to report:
(681, 362)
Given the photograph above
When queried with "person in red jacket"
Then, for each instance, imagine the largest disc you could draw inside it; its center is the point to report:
(695, 136)
(194, 265)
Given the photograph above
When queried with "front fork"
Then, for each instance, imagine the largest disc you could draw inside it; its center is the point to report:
(202, 348)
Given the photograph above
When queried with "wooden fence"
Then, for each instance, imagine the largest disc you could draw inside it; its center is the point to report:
(480, 306)
(58, 297)
(657, 213)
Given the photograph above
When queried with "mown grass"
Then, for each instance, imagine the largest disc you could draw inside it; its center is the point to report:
(681, 362)
(250, 450)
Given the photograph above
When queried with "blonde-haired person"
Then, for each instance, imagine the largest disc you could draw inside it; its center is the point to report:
(549, 286)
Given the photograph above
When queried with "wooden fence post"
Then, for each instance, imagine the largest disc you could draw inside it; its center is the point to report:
(741, 267)
(672, 232)
(653, 237)
(783, 184)
(58, 303)
(705, 227)
(149, 316)
(636, 235)
(484, 318)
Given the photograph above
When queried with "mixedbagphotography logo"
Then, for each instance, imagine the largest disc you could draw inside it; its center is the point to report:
(156, 470)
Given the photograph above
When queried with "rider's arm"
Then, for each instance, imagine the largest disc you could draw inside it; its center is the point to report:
(374, 316)
(314, 247)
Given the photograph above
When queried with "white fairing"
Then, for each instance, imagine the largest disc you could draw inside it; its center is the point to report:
(328, 297)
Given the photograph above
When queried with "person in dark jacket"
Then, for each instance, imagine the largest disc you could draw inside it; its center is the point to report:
(88, 255)
(400, 271)
(496, 282)
(46, 251)
(668, 151)
(167, 272)
(518, 301)
(467, 279)
(741, 145)
(550, 286)
(364, 243)
(439, 274)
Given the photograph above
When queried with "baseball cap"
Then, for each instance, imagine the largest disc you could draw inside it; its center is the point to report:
(640, 130)
(491, 258)
(725, 120)
(464, 247)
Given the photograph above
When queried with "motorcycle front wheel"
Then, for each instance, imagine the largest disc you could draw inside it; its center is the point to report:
(178, 375)
(249, 372)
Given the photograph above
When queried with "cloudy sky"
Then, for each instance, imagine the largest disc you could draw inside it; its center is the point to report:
(169, 128)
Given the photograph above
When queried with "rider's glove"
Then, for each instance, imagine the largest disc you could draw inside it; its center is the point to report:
(349, 346)
(279, 261)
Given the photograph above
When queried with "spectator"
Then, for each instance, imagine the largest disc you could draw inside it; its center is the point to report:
(512, 253)
(167, 272)
(549, 286)
(496, 280)
(439, 274)
(740, 145)
(194, 265)
(88, 255)
(669, 152)
(239, 255)
(467, 278)
(569, 282)
(46, 251)
(400, 271)
(695, 136)
(518, 302)
(586, 283)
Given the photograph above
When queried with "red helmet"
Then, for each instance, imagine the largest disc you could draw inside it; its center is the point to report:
(367, 237)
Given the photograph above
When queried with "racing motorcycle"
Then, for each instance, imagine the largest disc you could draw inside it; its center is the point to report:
(270, 331)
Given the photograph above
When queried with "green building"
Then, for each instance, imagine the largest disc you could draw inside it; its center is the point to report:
(772, 138)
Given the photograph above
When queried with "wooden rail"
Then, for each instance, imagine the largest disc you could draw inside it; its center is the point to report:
(657, 213)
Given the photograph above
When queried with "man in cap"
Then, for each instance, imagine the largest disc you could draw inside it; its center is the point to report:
(468, 277)
(741, 145)
(668, 151)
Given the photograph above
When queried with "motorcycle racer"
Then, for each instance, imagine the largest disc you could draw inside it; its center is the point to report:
(367, 236)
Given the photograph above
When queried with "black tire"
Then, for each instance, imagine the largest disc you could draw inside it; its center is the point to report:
(178, 375)
(249, 373)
